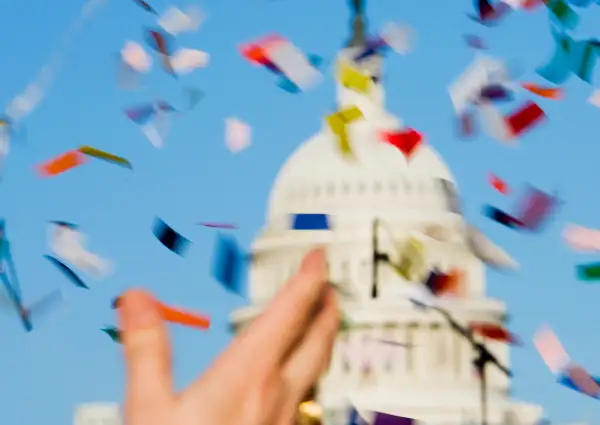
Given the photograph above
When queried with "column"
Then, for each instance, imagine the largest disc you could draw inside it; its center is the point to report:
(388, 353)
(457, 356)
(400, 370)
(421, 361)
(411, 339)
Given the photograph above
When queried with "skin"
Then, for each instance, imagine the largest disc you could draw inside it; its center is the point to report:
(260, 379)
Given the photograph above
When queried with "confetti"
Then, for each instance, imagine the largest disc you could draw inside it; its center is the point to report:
(174, 21)
(238, 135)
(172, 240)
(134, 55)
(582, 238)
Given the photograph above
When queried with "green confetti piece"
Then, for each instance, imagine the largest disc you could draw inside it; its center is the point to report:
(589, 271)
(113, 333)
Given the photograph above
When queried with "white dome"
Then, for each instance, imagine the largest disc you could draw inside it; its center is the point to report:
(318, 179)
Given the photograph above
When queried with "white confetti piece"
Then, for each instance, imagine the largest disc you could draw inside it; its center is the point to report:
(185, 61)
(69, 244)
(594, 98)
(398, 37)
(295, 66)
(134, 55)
(174, 21)
(238, 135)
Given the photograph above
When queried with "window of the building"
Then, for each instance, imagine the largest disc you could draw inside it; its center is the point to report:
(410, 340)
(457, 342)
(366, 364)
(346, 188)
(330, 189)
(377, 187)
(345, 266)
(438, 337)
(388, 334)
(317, 191)
(393, 187)
(345, 348)
(362, 188)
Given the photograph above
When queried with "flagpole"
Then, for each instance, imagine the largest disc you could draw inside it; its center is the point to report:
(375, 270)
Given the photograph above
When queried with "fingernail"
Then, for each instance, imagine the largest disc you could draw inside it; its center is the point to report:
(314, 261)
(139, 311)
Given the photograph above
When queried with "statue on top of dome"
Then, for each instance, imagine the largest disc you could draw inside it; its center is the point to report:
(358, 35)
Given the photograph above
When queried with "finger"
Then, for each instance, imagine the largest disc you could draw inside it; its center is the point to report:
(147, 354)
(285, 319)
(313, 354)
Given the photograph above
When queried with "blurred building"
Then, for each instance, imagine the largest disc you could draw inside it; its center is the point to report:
(434, 381)
(97, 414)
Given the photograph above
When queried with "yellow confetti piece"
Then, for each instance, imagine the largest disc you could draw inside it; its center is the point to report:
(105, 156)
(353, 79)
(338, 128)
(338, 122)
(412, 265)
(351, 114)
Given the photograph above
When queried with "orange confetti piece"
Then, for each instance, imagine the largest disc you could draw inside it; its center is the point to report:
(546, 92)
(184, 318)
(454, 282)
(257, 52)
(499, 184)
(62, 163)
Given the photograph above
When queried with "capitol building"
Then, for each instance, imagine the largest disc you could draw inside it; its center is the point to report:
(434, 380)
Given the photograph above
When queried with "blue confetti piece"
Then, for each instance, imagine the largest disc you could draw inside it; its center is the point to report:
(310, 222)
(228, 263)
(288, 85)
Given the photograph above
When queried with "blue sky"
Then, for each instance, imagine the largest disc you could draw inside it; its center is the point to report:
(194, 178)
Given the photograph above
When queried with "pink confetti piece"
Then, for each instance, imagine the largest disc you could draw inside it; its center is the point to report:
(550, 349)
(582, 238)
(238, 135)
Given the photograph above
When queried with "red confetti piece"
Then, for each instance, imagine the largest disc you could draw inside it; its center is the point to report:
(525, 118)
(407, 141)
(494, 332)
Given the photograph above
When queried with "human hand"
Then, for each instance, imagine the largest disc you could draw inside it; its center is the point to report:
(260, 379)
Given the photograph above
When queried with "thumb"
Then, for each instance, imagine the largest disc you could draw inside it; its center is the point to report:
(147, 355)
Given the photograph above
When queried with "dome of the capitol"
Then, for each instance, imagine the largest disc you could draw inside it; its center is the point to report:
(377, 179)
(318, 179)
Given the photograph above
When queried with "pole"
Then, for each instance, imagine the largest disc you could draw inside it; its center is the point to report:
(374, 271)
(483, 386)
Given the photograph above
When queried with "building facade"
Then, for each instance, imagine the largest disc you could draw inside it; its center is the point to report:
(97, 414)
(434, 381)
